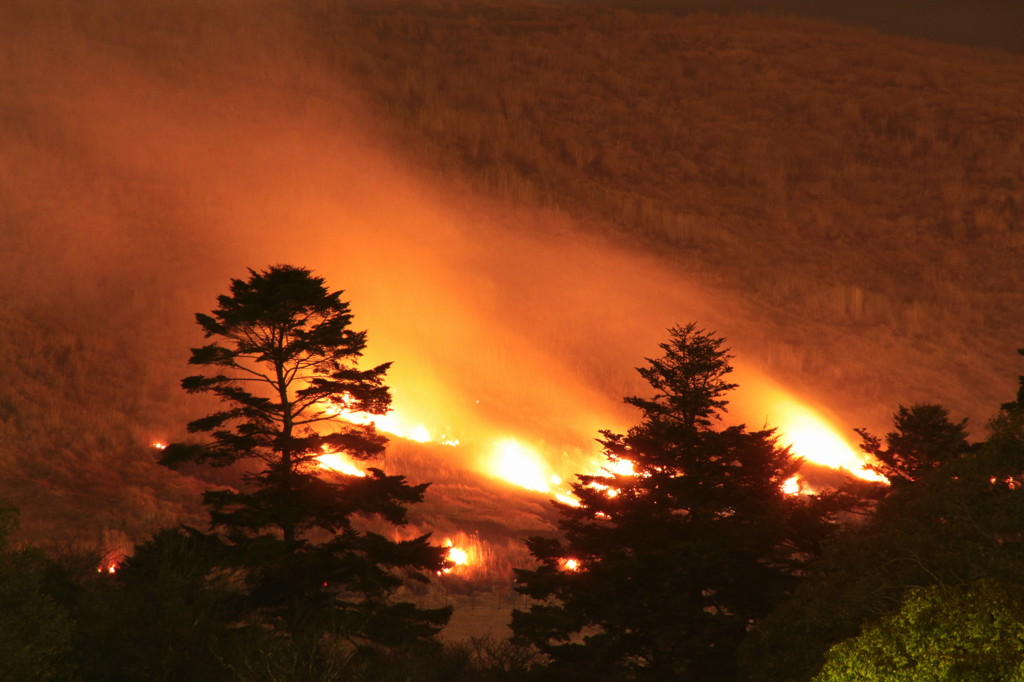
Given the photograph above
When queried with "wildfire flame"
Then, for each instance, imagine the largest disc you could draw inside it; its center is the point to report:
(391, 423)
(568, 498)
(520, 465)
(809, 434)
(335, 461)
(815, 440)
(523, 466)
(464, 552)
(394, 424)
(622, 467)
(456, 555)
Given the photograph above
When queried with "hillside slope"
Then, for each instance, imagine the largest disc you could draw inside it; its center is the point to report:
(846, 204)
(862, 193)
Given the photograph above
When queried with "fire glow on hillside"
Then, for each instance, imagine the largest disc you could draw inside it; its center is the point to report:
(512, 460)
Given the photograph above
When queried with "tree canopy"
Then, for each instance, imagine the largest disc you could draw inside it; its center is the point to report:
(284, 364)
(923, 438)
(972, 633)
(661, 571)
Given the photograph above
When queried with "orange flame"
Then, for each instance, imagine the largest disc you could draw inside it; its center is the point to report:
(815, 440)
(808, 433)
(342, 464)
(622, 467)
(520, 465)
(394, 424)
(456, 555)
(464, 551)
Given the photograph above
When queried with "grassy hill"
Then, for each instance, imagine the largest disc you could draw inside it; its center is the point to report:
(848, 205)
(861, 193)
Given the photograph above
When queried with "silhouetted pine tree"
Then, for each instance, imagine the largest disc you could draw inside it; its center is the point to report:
(283, 359)
(923, 438)
(661, 573)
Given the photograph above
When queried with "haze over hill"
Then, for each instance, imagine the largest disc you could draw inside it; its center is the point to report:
(517, 199)
(854, 189)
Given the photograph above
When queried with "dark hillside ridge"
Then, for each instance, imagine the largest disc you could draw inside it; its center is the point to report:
(977, 23)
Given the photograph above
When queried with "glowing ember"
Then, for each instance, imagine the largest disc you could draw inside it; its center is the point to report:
(160, 446)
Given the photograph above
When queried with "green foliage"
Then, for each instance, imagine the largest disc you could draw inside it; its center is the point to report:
(660, 573)
(285, 363)
(942, 632)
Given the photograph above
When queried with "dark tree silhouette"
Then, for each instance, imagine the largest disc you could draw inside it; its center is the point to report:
(36, 630)
(1018, 404)
(166, 615)
(660, 573)
(283, 362)
(923, 438)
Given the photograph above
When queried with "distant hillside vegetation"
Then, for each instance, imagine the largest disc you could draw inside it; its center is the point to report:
(979, 23)
(863, 192)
